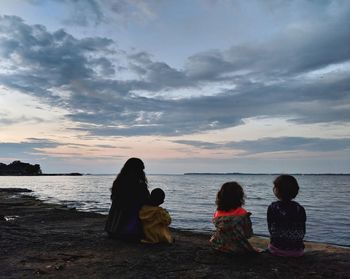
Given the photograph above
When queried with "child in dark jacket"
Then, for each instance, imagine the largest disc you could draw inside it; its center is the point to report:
(286, 219)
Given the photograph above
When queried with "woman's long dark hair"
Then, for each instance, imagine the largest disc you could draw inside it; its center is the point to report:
(131, 174)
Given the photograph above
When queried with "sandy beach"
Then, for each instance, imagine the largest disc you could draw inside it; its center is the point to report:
(45, 240)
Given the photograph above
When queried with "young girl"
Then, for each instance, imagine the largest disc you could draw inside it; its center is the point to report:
(286, 219)
(232, 222)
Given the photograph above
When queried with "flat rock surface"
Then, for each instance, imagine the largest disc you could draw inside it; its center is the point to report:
(51, 241)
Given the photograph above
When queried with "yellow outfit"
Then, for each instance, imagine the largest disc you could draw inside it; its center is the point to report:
(155, 221)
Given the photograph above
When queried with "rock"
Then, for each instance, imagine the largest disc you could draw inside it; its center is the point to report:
(20, 168)
(15, 190)
(72, 244)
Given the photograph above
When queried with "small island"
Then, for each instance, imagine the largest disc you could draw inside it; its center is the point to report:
(18, 168)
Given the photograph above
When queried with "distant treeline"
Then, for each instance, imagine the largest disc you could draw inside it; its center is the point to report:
(20, 168)
(240, 173)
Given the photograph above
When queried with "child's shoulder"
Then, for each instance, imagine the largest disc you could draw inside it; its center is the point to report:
(285, 204)
(299, 206)
(240, 211)
(275, 204)
(147, 207)
(151, 209)
(161, 208)
(295, 204)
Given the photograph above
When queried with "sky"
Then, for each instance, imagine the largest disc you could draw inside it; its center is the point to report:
(187, 86)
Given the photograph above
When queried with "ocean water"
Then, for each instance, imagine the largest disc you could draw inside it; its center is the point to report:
(190, 199)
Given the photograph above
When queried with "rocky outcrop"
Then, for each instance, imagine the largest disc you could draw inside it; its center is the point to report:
(20, 168)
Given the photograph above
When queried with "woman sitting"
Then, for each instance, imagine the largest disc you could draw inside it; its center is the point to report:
(129, 194)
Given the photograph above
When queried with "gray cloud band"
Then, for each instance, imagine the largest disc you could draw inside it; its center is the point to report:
(281, 144)
(269, 80)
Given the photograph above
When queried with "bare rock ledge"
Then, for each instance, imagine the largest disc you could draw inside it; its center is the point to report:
(42, 240)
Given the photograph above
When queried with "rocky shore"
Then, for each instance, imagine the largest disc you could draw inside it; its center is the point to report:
(42, 240)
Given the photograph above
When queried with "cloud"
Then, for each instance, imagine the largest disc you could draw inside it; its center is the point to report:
(26, 149)
(37, 148)
(44, 152)
(157, 75)
(282, 144)
(40, 60)
(93, 12)
(269, 79)
(292, 52)
(200, 144)
(7, 120)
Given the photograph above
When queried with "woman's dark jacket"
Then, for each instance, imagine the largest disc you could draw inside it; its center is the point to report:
(123, 221)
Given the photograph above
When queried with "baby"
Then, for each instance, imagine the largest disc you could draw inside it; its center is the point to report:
(155, 219)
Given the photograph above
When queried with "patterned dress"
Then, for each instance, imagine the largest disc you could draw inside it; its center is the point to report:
(286, 223)
(233, 228)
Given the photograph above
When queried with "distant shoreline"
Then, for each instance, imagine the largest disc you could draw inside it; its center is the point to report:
(18, 168)
(62, 174)
(46, 174)
(241, 173)
(187, 174)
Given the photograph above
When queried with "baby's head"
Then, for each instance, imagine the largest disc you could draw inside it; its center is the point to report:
(157, 197)
(285, 187)
(230, 196)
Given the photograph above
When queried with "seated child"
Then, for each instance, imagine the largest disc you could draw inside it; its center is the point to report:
(232, 222)
(286, 219)
(155, 219)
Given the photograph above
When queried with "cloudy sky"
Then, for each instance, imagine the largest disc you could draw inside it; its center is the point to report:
(188, 86)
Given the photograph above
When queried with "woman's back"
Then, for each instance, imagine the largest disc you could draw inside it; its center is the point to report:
(129, 194)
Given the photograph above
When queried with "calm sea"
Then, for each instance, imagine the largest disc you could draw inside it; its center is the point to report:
(190, 199)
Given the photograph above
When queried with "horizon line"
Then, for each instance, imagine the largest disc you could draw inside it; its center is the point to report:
(228, 173)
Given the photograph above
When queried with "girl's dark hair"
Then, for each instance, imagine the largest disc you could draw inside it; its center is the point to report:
(230, 196)
(285, 187)
(131, 174)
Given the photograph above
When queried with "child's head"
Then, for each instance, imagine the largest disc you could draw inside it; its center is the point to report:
(230, 196)
(285, 187)
(157, 197)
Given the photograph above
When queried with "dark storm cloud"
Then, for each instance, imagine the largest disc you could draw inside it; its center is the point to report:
(282, 144)
(268, 78)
